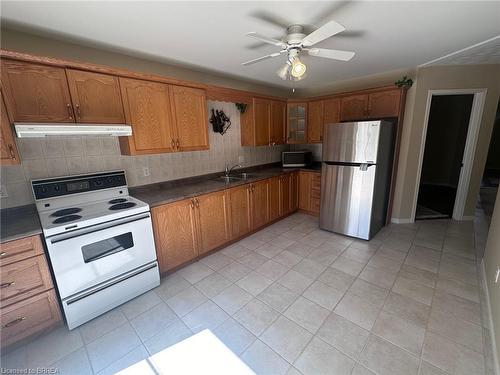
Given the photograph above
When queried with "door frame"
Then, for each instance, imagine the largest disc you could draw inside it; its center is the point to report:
(469, 150)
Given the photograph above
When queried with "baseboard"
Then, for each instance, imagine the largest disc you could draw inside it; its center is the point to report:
(496, 363)
(401, 221)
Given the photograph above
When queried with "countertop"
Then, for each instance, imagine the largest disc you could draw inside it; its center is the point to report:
(19, 222)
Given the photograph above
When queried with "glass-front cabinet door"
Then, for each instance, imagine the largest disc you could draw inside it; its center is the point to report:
(297, 123)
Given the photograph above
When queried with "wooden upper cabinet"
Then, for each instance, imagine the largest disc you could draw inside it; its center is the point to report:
(213, 224)
(36, 93)
(296, 127)
(262, 121)
(278, 122)
(175, 233)
(384, 104)
(354, 107)
(96, 97)
(8, 148)
(331, 112)
(259, 198)
(190, 114)
(315, 121)
(147, 110)
(239, 210)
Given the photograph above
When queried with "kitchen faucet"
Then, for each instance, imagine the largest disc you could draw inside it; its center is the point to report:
(229, 170)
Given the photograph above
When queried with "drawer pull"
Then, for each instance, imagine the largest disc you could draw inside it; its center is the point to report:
(6, 285)
(14, 322)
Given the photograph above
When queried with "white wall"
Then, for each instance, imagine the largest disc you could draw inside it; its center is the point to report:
(50, 157)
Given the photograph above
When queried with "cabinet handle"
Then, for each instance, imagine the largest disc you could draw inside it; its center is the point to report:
(3, 253)
(70, 112)
(197, 203)
(11, 151)
(6, 285)
(173, 144)
(177, 143)
(14, 322)
(78, 111)
(192, 204)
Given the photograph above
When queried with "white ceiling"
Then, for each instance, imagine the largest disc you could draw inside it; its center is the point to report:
(386, 36)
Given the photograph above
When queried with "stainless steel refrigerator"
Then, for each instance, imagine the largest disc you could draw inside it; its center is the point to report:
(355, 177)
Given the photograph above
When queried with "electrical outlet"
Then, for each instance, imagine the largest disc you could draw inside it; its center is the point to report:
(145, 171)
(3, 192)
(241, 159)
(497, 275)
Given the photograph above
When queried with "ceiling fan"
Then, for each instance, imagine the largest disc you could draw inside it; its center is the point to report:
(296, 42)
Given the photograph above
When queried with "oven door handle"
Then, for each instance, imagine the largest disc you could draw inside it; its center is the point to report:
(98, 227)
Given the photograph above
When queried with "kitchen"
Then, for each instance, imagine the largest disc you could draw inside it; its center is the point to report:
(129, 216)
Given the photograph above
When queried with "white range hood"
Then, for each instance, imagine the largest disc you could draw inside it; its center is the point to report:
(37, 130)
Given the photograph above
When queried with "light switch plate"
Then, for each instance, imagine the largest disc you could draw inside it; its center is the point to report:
(241, 159)
(145, 171)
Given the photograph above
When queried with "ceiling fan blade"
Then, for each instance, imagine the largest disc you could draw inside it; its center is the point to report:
(334, 54)
(271, 18)
(327, 30)
(276, 54)
(265, 39)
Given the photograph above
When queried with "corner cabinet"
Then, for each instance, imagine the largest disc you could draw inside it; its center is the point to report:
(263, 123)
(296, 123)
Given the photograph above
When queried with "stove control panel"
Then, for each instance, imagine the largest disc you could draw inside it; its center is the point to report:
(56, 187)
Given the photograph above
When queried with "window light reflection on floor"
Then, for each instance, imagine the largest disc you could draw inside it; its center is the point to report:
(202, 353)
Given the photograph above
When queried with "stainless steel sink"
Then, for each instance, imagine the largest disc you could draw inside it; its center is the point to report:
(243, 176)
(234, 177)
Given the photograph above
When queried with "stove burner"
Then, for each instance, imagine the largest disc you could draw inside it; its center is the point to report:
(121, 206)
(66, 219)
(117, 200)
(66, 211)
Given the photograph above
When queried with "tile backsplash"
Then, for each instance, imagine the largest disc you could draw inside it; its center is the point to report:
(58, 156)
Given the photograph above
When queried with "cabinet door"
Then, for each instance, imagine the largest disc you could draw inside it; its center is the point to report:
(296, 123)
(274, 198)
(96, 97)
(285, 194)
(36, 93)
(147, 110)
(239, 211)
(260, 203)
(354, 107)
(175, 233)
(212, 220)
(262, 121)
(278, 115)
(384, 104)
(9, 154)
(331, 112)
(190, 114)
(305, 191)
(315, 121)
(294, 189)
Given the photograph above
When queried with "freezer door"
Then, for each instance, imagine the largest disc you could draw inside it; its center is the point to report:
(352, 142)
(346, 199)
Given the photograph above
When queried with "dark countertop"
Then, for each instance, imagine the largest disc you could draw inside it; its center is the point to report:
(19, 222)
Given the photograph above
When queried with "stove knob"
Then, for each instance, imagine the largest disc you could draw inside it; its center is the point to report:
(44, 190)
(98, 182)
(56, 188)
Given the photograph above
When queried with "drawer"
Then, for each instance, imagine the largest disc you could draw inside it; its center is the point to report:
(315, 193)
(29, 317)
(17, 250)
(24, 279)
(315, 203)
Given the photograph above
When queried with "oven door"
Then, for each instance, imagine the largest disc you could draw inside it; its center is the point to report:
(89, 256)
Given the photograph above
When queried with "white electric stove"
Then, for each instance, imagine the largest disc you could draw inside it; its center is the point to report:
(100, 242)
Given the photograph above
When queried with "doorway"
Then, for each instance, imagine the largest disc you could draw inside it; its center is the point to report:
(447, 129)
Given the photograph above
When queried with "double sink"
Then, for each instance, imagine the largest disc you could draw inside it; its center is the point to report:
(234, 177)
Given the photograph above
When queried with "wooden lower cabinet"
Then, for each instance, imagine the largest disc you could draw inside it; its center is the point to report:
(309, 191)
(213, 224)
(174, 227)
(29, 316)
(286, 194)
(259, 203)
(294, 183)
(239, 211)
(274, 198)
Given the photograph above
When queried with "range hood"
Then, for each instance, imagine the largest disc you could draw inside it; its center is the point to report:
(37, 130)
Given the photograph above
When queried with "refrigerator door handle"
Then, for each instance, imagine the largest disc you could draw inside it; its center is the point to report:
(363, 167)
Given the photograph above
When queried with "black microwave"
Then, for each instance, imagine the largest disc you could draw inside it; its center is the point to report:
(296, 158)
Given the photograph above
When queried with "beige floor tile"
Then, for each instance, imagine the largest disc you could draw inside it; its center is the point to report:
(459, 289)
(195, 272)
(102, 325)
(212, 285)
(272, 270)
(336, 279)
(348, 266)
(459, 307)
(323, 294)
(310, 268)
(369, 292)
(428, 369)
(268, 250)
(307, 314)
(359, 255)
(140, 304)
(400, 332)
(171, 285)
(234, 271)
(232, 299)
(357, 310)
(412, 289)
(320, 358)
(206, 316)
(418, 275)
(152, 321)
(216, 261)
(286, 338)
(344, 335)
(236, 337)
(380, 277)
(263, 360)
(186, 301)
(136, 355)
(278, 297)
(295, 281)
(256, 316)
(235, 251)
(254, 283)
(407, 308)
(168, 336)
(385, 358)
(287, 258)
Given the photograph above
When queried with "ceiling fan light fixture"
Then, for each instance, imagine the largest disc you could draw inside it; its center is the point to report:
(298, 68)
